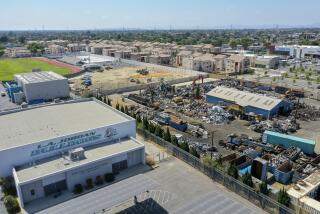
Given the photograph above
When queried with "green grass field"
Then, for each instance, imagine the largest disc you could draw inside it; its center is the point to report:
(9, 67)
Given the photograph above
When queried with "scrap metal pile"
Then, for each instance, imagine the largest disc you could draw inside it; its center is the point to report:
(286, 126)
(305, 112)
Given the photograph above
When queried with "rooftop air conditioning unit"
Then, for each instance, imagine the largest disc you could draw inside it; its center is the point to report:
(77, 154)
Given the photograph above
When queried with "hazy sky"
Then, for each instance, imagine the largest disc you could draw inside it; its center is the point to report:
(106, 14)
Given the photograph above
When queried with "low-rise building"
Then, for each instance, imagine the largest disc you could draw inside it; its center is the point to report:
(305, 194)
(269, 62)
(237, 64)
(220, 62)
(55, 147)
(42, 86)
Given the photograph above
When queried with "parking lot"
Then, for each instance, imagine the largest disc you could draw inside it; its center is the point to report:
(182, 189)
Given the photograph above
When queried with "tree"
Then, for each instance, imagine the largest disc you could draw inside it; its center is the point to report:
(1, 50)
(118, 106)
(263, 188)
(167, 135)
(138, 119)
(233, 43)
(4, 39)
(198, 92)
(233, 171)
(35, 48)
(109, 101)
(247, 179)
(174, 140)
(185, 146)
(283, 197)
(126, 111)
(11, 204)
(158, 131)
(122, 109)
(194, 152)
(22, 39)
(8, 186)
(151, 128)
(145, 123)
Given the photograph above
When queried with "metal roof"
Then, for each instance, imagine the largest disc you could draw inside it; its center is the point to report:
(35, 77)
(244, 98)
(291, 137)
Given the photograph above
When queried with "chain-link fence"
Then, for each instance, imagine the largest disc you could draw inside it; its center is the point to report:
(266, 203)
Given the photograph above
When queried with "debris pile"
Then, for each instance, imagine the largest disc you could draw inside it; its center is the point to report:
(286, 126)
(305, 112)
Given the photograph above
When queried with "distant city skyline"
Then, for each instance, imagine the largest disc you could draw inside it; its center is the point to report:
(162, 14)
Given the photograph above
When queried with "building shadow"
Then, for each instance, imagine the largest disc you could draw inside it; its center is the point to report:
(148, 206)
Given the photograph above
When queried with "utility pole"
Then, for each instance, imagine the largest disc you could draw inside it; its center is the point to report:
(211, 150)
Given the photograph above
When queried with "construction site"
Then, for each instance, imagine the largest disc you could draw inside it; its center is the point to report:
(108, 80)
(241, 133)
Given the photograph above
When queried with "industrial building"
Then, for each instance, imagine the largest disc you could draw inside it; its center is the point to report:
(287, 141)
(298, 51)
(258, 104)
(36, 87)
(305, 193)
(54, 147)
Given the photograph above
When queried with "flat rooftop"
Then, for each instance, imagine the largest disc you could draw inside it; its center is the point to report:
(311, 182)
(56, 120)
(62, 163)
(41, 76)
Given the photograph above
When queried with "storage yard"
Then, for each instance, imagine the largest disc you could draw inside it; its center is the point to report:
(238, 131)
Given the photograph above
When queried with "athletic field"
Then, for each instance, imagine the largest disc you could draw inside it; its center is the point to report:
(9, 67)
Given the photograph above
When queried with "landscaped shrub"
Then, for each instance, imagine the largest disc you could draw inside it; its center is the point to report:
(8, 186)
(109, 177)
(89, 183)
(99, 180)
(78, 189)
(11, 204)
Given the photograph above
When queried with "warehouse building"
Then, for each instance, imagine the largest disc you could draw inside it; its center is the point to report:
(258, 104)
(287, 141)
(56, 146)
(42, 86)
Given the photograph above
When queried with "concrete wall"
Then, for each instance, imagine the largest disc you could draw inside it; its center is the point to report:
(135, 157)
(26, 191)
(46, 90)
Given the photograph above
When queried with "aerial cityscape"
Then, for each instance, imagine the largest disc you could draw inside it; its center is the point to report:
(160, 107)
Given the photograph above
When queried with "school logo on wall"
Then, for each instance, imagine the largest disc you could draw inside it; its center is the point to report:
(63, 143)
(110, 132)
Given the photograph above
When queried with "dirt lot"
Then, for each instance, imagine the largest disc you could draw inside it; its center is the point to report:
(127, 76)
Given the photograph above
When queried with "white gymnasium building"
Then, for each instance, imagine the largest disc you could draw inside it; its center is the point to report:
(51, 148)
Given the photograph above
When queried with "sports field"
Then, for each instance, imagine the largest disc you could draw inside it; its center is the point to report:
(9, 67)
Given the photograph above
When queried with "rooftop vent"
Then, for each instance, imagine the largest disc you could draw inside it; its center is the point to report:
(77, 154)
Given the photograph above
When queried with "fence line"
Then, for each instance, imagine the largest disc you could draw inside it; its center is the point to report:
(266, 203)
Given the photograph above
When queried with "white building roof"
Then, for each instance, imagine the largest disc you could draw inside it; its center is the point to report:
(35, 77)
(310, 183)
(60, 163)
(244, 98)
(57, 120)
